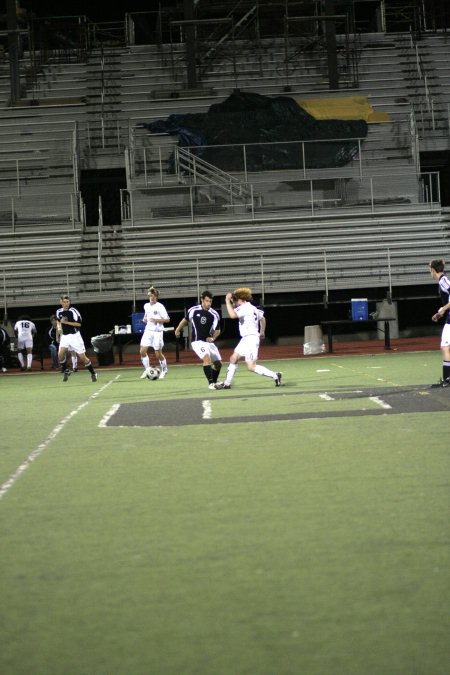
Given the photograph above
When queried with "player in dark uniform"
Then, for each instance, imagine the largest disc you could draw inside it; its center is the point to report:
(205, 322)
(69, 323)
(437, 271)
(5, 349)
(53, 341)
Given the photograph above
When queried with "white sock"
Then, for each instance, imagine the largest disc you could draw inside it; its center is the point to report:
(21, 361)
(29, 360)
(146, 362)
(262, 370)
(232, 367)
(163, 365)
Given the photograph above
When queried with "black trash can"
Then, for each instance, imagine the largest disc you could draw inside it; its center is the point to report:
(103, 348)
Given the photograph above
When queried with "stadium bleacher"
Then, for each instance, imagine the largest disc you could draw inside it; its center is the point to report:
(84, 109)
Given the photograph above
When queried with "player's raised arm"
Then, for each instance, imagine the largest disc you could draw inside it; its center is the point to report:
(229, 303)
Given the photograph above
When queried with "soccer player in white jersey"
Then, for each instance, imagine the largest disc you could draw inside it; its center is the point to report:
(437, 271)
(205, 323)
(252, 325)
(155, 316)
(25, 330)
(70, 340)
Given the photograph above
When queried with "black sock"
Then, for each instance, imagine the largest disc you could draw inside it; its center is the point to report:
(446, 370)
(208, 373)
(63, 365)
(90, 367)
(216, 372)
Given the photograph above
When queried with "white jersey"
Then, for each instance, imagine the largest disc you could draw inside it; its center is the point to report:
(25, 329)
(156, 311)
(249, 317)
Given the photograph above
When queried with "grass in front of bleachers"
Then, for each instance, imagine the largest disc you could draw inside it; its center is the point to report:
(315, 545)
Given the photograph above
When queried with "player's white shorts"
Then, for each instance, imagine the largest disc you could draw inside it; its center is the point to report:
(201, 348)
(248, 347)
(152, 338)
(73, 342)
(445, 337)
(24, 344)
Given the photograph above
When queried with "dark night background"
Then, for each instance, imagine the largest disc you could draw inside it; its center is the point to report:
(97, 11)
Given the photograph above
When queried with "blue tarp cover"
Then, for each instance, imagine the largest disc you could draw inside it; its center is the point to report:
(252, 119)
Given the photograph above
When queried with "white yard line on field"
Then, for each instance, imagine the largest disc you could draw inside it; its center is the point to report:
(52, 435)
(112, 411)
(379, 401)
(326, 397)
(207, 410)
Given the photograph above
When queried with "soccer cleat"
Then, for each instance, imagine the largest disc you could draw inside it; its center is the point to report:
(94, 377)
(278, 379)
(211, 385)
(144, 374)
(28, 369)
(441, 384)
(66, 374)
(162, 374)
(222, 385)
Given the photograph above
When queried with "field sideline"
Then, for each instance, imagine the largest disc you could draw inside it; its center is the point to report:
(162, 528)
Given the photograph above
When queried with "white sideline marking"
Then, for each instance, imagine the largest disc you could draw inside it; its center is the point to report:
(323, 370)
(326, 397)
(104, 421)
(347, 391)
(379, 401)
(207, 410)
(52, 435)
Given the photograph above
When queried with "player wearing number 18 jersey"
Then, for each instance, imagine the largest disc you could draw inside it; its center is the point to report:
(25, 330)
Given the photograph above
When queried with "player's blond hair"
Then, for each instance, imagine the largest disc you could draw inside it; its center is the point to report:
(153, 290)
(242, 294)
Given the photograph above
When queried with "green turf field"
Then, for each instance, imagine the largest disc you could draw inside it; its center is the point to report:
(160, 528)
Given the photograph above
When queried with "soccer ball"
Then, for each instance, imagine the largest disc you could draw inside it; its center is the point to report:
(153, 373)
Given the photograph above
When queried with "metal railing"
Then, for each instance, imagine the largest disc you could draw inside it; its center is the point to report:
(193, 170)
(17, 174)
(155, 164)
(304, 197)
(103, 132)
(426, 108)
(54, 209)
(323, 270)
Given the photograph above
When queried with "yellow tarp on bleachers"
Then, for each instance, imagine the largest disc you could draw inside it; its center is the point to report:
(343, 108)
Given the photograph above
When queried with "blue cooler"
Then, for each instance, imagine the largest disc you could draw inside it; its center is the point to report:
(137, 325)
(360, 309)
